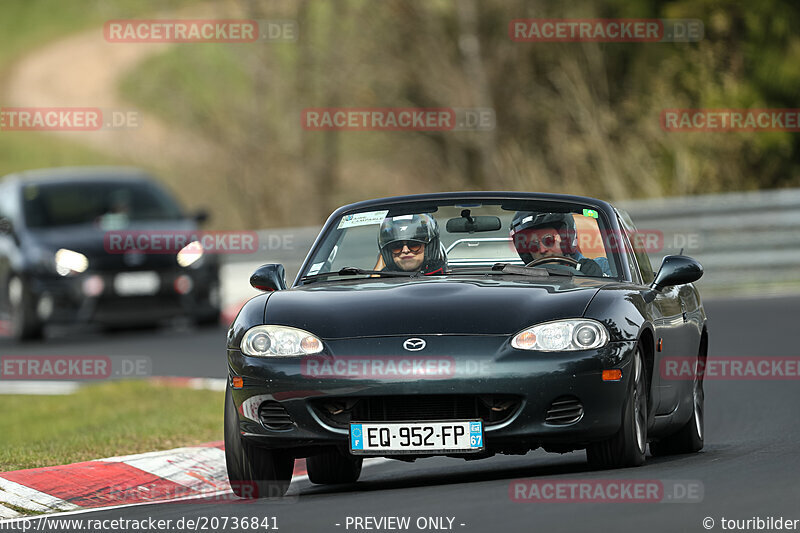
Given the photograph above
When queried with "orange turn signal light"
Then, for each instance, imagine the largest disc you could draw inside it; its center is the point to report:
(612, 375)
(237, 382)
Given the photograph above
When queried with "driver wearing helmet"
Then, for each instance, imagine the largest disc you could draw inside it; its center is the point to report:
(411, 243)
(540, 236)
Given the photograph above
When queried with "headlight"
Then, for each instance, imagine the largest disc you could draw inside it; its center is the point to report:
(562, 336)
(190, 253)
(266, 341)
(70, 262)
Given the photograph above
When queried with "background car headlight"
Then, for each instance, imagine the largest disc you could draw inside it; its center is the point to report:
(265, 341)
(562, 336)
(190, 254)
(70, 262)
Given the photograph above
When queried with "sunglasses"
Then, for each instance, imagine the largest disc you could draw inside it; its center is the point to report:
(413, 247)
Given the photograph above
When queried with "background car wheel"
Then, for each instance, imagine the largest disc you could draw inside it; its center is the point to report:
(628, 446)
(332, 467)
(689, 438)
(25, 325)
(253, 472)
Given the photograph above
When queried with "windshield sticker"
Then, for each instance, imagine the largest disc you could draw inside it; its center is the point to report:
(362, 219)
(315, 268)
(590, 213)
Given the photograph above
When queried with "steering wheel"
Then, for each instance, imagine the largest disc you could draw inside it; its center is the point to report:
(568, 261)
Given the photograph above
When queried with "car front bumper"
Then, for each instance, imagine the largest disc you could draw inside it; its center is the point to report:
(480, 367)
(71, 300)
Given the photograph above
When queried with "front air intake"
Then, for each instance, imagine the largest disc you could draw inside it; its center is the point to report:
(274, 416)
(564, 410)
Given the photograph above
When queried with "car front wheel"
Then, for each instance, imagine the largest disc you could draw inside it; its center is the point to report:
(689, 438)
(253, 472)
(24, 323)
(628, 446)
(332, 467)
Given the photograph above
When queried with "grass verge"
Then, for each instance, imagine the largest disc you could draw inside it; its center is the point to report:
(105, 420)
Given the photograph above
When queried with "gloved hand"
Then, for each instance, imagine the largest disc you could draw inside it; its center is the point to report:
(590, 268)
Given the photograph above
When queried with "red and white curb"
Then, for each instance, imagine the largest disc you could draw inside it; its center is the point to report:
(193, 473)
(171, 475)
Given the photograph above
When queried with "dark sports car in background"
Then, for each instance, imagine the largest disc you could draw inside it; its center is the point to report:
(56, 265)
(486, 344)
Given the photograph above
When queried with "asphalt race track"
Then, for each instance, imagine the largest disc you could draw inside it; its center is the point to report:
(748, 468)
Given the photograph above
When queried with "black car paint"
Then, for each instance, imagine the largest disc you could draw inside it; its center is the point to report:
(476, 314)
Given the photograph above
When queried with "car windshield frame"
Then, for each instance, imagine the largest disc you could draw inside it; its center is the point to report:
(330, 237)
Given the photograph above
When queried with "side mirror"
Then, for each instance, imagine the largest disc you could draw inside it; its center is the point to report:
(269, 278)
(676, 270)
(201, 216)
(6, 227)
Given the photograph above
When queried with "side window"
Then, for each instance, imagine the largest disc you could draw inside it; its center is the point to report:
(639, 251)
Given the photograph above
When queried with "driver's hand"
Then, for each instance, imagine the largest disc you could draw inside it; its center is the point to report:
(590, 268)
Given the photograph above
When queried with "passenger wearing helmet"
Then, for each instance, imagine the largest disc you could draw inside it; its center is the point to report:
(411, 243)
(538, 236)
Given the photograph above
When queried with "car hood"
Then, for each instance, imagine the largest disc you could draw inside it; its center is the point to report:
(429, 306)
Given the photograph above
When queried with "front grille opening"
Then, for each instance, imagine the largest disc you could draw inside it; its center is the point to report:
(274, 416)
(564, 410)
(491, 408)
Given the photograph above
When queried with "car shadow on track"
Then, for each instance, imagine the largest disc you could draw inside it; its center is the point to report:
(510, 469)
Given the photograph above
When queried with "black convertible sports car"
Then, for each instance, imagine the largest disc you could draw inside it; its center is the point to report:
(463, 324)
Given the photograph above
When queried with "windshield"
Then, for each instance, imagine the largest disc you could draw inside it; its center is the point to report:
(452, 238)
(110, 205)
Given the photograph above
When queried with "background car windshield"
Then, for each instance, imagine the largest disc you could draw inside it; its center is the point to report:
(354, 242)
(107, 204)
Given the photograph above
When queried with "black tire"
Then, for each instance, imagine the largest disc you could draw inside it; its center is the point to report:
(331, 467)
(253, 472)
(629, 445)
(689, 438)
(25, 325)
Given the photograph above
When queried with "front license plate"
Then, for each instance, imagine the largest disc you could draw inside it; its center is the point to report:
(386, 438)
(136, 283)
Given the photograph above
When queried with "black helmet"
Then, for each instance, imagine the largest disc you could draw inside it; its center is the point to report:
(561, 222)
(421, 228)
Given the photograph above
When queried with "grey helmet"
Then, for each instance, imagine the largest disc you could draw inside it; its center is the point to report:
(561, 222)
(421, 228)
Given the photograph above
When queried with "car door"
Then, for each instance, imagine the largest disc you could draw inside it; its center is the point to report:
(666, 315)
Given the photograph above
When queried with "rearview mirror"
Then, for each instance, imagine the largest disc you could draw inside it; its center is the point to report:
(473, 224)
(271, 277)
(677, 270)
